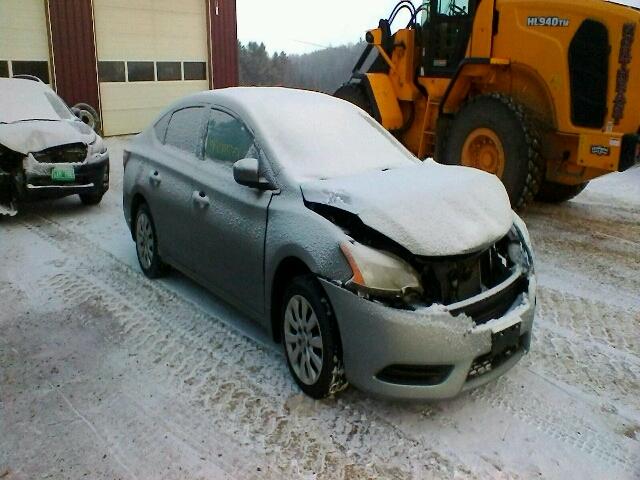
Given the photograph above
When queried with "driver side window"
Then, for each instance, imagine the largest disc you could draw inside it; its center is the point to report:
(228, 140)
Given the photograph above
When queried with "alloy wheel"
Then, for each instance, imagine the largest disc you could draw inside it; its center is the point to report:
(303, 339)
(145, 242)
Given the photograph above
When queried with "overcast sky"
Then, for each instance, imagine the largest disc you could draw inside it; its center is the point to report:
(300, 26)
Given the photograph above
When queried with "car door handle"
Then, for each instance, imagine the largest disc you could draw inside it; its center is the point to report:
(154, 178)
(201, 199)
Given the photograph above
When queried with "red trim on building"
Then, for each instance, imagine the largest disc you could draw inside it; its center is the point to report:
(73, 51)
(223, 43)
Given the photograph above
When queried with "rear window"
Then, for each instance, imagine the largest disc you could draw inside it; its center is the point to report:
(185, 130)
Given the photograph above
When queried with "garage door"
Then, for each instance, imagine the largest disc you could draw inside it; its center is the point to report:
(24, 45)
(150, 52)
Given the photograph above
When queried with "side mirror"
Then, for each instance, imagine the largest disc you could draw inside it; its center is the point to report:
(247, 172)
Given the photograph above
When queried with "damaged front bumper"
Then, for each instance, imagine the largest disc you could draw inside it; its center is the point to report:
(37, 183)
(432, 352)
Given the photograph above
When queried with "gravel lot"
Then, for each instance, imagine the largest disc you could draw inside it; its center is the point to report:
(104, 374)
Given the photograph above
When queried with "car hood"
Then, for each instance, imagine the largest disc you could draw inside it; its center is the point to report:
(34, 135)
(429, 209)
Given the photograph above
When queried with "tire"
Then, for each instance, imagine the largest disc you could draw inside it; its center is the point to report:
(146, 240)
(557, 193)
(95, 197)
(507, 126)
(355, 94)
(88, 115)
(308, 325)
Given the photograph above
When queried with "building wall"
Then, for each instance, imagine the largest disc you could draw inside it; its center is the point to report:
(73, 53)
(127, 58)
(223, 40)
(23, 34)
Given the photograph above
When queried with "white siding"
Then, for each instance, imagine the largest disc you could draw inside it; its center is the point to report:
(147, 30)
(23, 30)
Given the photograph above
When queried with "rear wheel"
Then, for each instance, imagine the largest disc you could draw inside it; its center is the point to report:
(494, 134)
(356, 94)
(147, 243)
(310, 339)
(557, 193)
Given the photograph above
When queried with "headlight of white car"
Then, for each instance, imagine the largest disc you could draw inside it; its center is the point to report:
(96, 147)
(521, 233)
(379, 272)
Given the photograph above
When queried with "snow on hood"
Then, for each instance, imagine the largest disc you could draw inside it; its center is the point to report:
(430, 209)
(33, 136)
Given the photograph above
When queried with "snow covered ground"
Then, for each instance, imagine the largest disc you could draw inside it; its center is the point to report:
(104, 374)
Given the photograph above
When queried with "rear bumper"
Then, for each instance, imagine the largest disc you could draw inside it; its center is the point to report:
(456, 354)
(38, 185)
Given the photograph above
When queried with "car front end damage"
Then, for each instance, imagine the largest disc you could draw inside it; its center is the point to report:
(53, 172)
(431, 327)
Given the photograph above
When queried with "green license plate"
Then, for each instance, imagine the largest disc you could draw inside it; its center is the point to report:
(63, 174)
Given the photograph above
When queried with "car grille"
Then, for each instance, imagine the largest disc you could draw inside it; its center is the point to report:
(447, 281)
(419, 375)
(72, 153)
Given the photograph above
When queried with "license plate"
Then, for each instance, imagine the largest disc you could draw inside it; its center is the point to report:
(505, 339)
(63, 174)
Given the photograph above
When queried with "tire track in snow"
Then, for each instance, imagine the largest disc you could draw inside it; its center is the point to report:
(593, 321)
(272, 413)
(202, 343)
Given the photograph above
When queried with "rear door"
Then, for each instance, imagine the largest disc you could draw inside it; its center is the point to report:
(231, 223)
(170, 181)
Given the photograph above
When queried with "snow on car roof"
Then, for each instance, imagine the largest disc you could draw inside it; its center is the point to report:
(29, 100)
(314, 135)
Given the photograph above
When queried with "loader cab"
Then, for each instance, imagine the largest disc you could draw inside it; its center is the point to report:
(446, 29)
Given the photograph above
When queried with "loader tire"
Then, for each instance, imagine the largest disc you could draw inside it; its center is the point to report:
(494, 133)
(551, 192)
(355, 94)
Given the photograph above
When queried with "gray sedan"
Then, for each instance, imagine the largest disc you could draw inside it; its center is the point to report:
(407, 279)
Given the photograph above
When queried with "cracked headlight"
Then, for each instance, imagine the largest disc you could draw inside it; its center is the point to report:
(379, 272)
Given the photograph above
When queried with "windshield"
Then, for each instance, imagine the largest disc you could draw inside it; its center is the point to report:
(315, 136)
(23, 100)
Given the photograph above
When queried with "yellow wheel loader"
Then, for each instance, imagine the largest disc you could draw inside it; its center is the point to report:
(544, 94)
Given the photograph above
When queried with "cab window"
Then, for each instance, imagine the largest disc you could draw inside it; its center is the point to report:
(228, 140)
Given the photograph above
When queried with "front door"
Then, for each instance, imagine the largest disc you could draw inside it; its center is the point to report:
(230, 219)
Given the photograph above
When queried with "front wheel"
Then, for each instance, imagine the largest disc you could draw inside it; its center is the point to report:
(311, 340)
(495, 134)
